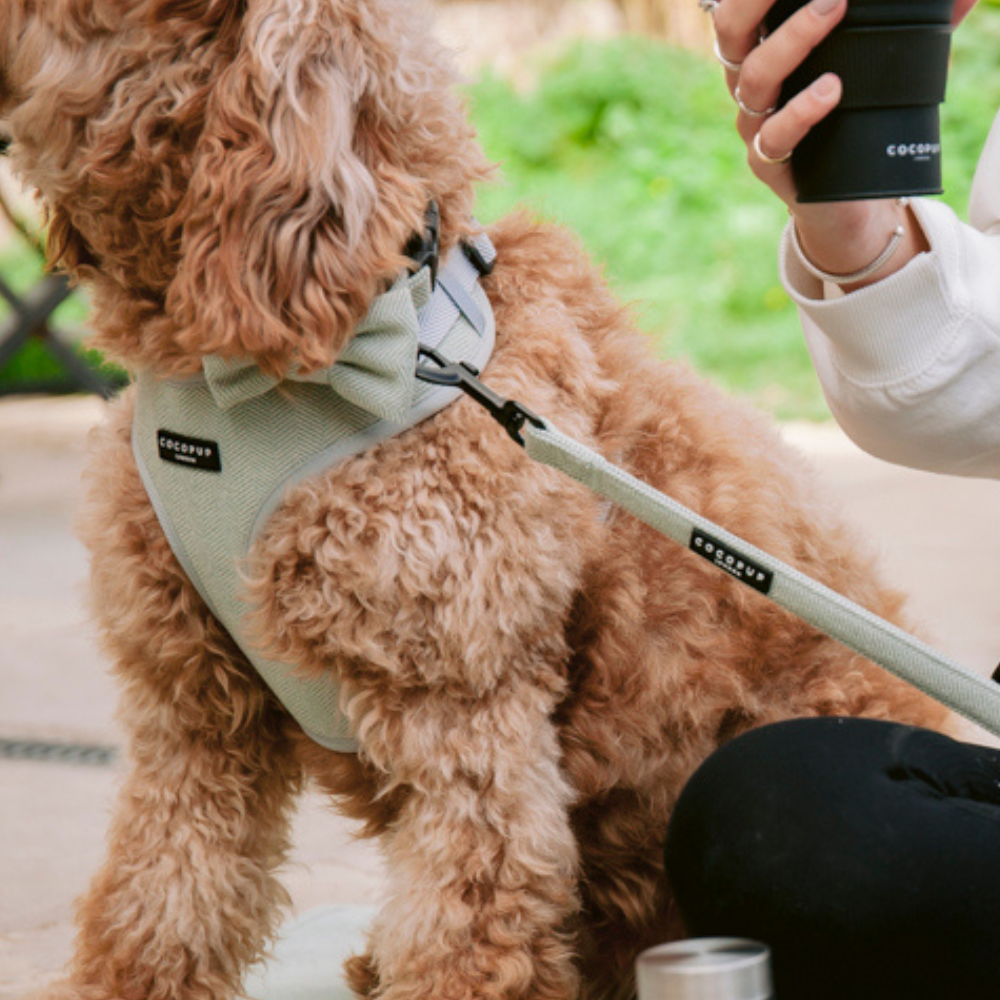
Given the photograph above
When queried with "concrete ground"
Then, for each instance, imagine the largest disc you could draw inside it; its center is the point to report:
(938, 537)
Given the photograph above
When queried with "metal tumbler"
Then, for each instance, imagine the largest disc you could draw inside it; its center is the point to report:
(705, 969)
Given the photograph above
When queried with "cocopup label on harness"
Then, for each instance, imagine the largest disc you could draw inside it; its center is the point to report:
(731, 560)
(192, 452)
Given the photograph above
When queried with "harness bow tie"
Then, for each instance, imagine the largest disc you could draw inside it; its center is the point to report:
(375, 371)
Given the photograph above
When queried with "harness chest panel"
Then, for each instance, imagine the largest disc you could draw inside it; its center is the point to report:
(215, 474)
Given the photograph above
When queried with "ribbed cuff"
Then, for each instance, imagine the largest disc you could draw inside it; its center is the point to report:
(890, 329)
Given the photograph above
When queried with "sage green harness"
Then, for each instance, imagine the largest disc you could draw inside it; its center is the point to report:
(218, 452)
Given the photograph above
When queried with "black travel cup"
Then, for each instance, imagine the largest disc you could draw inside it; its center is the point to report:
(883, 140)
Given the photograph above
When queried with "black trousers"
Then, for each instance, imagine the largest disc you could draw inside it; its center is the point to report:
(865, 854)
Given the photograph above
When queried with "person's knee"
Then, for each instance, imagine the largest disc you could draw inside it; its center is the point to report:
(749, 824)
(861, 852)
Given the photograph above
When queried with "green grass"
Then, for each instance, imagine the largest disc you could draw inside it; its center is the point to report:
(631, 143)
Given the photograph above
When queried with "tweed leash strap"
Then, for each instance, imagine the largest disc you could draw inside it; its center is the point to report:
(902, 654)
(893, 649)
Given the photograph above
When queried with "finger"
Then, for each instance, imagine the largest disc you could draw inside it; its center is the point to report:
(766, 69)
(770, 146)
(783, 131)
(732, 68)
(737, 29)
(768, 159)
(748, 111)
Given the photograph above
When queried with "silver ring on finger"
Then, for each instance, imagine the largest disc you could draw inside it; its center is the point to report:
(708, 6)
(752, 112)
(733, 67)
(764, 156)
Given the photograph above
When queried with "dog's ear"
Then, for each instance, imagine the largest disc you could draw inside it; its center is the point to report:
(283, 240)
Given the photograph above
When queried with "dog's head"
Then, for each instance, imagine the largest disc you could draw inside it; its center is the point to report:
(235, 177)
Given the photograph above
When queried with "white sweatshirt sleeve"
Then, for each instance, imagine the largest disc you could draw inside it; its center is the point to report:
(911, 365)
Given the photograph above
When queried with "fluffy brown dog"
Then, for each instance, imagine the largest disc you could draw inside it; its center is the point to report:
(531, 679)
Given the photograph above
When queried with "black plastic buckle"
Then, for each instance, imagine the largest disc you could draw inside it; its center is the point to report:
(511, 415)
(424, 249)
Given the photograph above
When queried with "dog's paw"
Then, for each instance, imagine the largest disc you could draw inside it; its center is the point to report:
(361, 974)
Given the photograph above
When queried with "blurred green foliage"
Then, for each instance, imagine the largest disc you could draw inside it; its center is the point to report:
(632, 144)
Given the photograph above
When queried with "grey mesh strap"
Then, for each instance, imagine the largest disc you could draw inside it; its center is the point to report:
(890, 647)
(454, 294)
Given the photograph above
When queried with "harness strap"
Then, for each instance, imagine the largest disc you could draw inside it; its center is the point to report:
(857, 628)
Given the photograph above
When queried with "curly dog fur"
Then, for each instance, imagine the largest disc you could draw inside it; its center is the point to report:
(531, 683)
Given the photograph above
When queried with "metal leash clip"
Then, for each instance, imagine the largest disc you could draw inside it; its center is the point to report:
(510, 414)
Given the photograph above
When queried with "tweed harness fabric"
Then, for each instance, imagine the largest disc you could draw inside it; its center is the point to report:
(218, 452)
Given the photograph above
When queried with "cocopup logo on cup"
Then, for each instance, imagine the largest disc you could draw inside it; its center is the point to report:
(705, 969)
(884, 139)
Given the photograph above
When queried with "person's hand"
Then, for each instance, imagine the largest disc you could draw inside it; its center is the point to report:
(839, 237)
(762, 67)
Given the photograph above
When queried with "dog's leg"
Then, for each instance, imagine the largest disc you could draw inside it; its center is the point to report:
(626, 900)
(457, 732)
(187, 896)
(481, 854)
(438, 583)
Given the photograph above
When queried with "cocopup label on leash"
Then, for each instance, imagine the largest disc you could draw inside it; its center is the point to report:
(731, 561)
